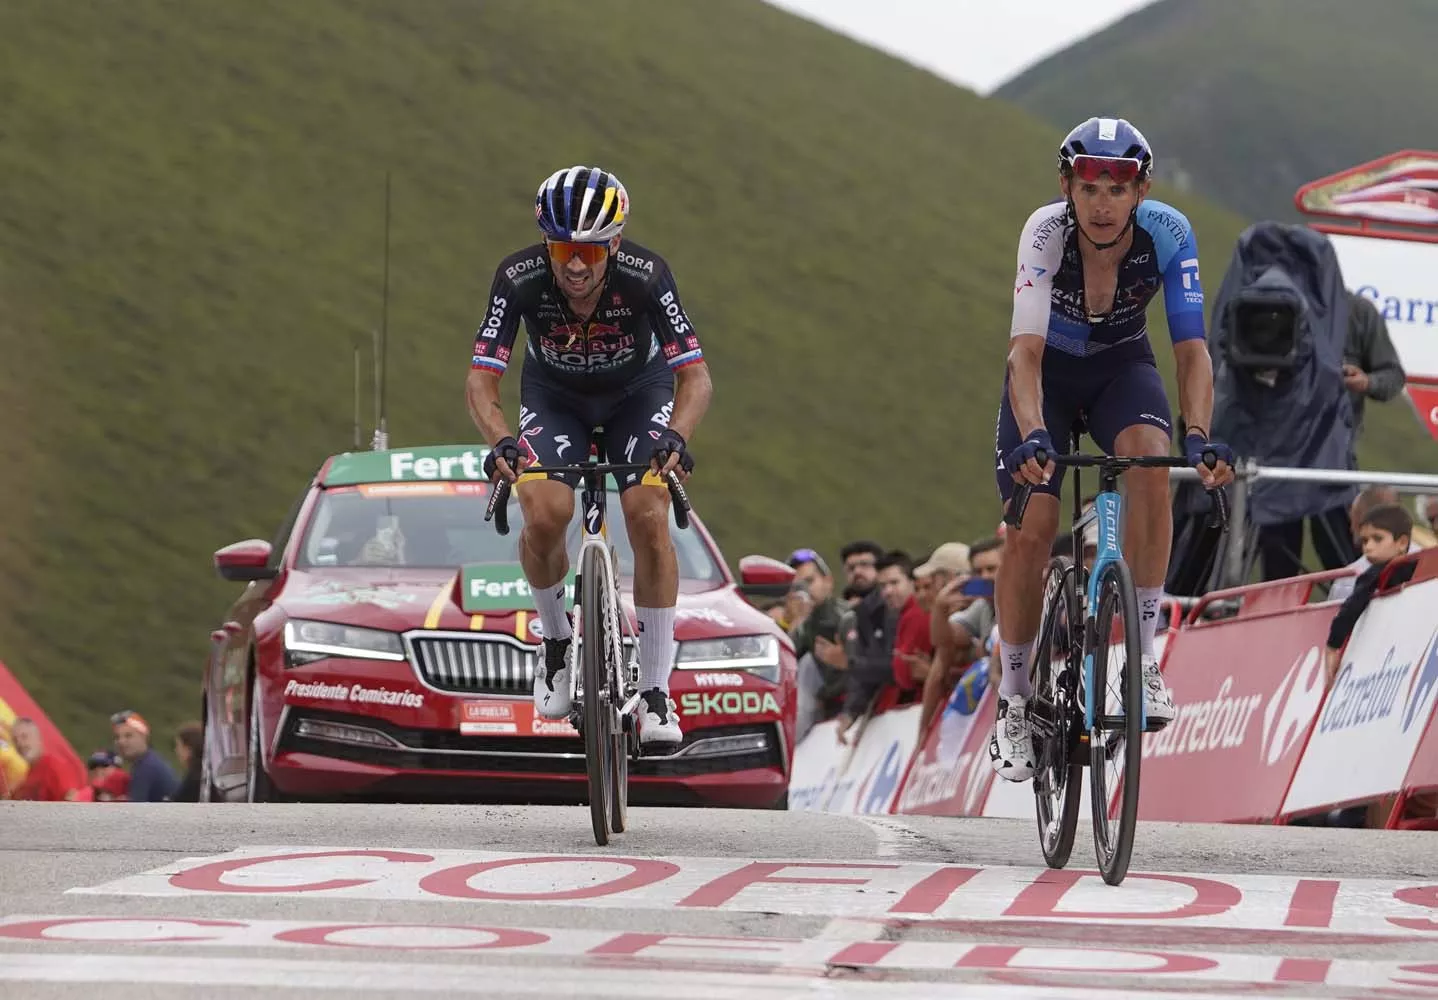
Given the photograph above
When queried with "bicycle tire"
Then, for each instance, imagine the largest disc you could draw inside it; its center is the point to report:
(1113, 841)
(1059, 775)
(593, 643)
(620, 736)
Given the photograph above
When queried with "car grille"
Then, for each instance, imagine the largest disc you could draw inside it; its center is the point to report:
(475, 664)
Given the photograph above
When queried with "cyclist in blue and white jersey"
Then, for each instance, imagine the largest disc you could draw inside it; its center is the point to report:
(1088, 266)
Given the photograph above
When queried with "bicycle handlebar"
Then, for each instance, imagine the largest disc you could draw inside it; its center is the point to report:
(1116, 465)
(498, 508)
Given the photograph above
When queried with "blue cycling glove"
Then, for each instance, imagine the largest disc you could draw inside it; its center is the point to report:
(1039, 439)
(1195, 444)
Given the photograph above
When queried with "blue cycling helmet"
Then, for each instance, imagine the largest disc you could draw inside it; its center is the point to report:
(1109, 138)
(581, 204)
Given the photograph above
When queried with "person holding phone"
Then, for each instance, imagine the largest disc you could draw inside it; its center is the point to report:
(961, 625)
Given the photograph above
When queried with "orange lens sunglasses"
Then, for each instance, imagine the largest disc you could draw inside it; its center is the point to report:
(589, 254)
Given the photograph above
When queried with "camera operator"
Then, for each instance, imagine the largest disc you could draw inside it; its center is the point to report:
(1278, 341)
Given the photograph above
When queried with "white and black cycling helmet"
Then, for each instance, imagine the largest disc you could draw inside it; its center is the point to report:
(582, 205)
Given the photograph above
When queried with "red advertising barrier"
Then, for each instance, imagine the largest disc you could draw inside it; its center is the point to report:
(1247, 691)
(15, 703)
(950, 774)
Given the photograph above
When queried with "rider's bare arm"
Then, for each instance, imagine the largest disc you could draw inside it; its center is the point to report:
(1195, 384)
(1026, 395)
(481, 390)
(1039, 255)
(692, 392)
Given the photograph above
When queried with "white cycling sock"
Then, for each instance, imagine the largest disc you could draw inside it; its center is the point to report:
(1015, 678)
(1148, 601)
(656, 647)
(549, 602)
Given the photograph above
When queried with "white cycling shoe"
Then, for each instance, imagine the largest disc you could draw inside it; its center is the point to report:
(1011, 747)
(552, 698)
(1157, 701)
(658, 723)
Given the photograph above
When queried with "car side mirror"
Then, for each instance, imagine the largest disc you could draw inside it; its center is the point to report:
(242, 562)
(761, 576)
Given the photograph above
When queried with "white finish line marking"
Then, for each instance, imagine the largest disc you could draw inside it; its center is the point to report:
(777, 958)
(1226, 907)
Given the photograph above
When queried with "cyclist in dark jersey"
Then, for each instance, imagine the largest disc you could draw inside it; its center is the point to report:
(1088, 267)
(609, 346)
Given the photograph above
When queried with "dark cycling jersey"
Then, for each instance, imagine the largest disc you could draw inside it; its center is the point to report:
(1049, 291)
(638, 334)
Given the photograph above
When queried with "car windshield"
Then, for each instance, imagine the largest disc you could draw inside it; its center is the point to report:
(381, 526)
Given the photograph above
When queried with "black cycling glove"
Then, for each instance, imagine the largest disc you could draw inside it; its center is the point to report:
(671, 442)
(508, 449)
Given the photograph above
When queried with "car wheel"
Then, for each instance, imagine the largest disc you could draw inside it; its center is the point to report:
(257, 782)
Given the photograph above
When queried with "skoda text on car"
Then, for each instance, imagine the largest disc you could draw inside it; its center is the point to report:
(385, 644)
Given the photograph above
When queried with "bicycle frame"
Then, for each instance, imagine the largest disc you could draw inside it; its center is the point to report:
(1107, 511)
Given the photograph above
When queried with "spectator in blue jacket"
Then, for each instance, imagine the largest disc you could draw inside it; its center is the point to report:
(151, 777)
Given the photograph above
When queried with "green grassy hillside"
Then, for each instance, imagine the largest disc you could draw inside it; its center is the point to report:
(1253, 98)
(190, 237)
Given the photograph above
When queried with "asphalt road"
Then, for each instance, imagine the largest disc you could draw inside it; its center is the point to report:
(317, 901)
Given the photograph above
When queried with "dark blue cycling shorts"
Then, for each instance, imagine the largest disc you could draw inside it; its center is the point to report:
(557, 423)
(1107, 397)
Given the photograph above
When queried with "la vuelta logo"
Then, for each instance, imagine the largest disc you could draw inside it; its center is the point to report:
(1293, 706)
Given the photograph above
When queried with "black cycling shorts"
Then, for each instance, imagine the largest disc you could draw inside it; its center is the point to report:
(557, 424)
(1108, 397)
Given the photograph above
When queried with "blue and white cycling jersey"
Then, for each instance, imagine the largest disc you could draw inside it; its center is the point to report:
(1049, 290)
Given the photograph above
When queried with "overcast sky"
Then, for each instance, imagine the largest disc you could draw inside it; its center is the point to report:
(979, 44)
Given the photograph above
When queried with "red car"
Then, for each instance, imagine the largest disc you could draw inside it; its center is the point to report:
(385, 647)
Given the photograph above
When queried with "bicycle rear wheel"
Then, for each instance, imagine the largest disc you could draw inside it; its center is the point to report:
(1054, 714)
(596, 715)
(1116, 739)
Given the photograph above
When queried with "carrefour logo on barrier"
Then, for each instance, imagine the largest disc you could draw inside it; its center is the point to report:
(1424, 682)
(960, 781)
(500, 587)
(1359, 699)
(879, 786)
(1292, 706)
(807, 796)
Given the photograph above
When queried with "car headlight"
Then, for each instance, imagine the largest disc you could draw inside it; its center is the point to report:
(759, 654)
(306, 642)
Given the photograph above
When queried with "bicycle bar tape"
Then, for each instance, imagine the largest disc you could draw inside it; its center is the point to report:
(498, 509)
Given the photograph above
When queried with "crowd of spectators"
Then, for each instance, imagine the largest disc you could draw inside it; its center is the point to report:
(893, 632)
(129, 770)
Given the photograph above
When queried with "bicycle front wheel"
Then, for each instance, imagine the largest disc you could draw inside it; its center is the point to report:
(617, 671)
(1116, 737)
(596, 589)
(1055, 715)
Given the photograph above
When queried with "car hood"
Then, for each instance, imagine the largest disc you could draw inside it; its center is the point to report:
(398, 600)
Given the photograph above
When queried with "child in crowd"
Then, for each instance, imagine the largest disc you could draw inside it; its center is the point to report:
(1385, 531)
